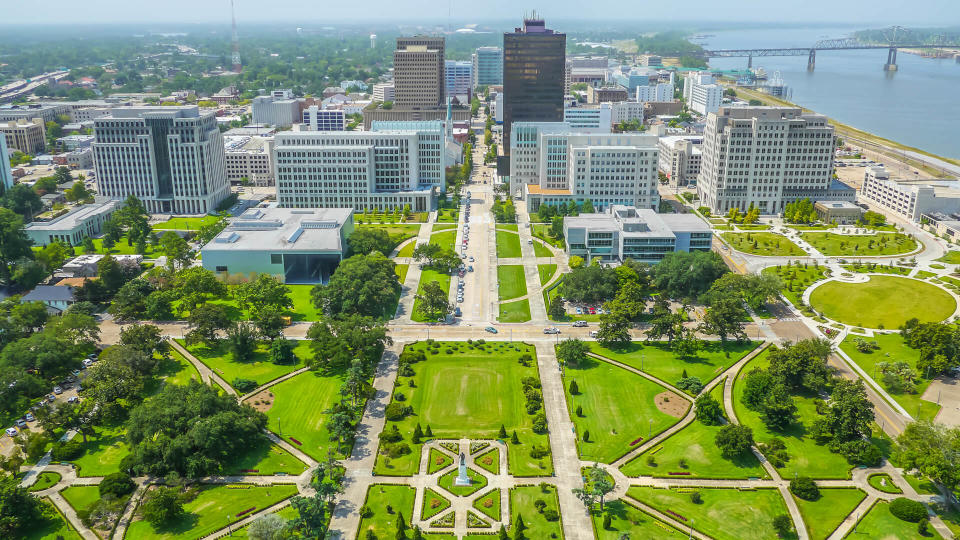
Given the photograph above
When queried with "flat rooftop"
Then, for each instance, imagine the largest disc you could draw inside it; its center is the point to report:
(284, 229)
(75, 217)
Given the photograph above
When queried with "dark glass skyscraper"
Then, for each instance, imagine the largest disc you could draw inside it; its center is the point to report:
(534, 63)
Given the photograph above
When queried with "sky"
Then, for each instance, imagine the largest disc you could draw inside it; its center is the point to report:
(866, 12)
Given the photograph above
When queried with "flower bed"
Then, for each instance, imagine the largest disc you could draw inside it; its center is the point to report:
(444, 522)
(295, 441)
(452, 447)
(635, 441)
(676, 515)
(478, 446)
(679, 473)
(474, 522)
(247, 511)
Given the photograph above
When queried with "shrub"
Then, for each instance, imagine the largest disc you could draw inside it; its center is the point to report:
(805, 488)
(243, 385)
(395, 411)
(395, 450)
(539, 504)
(540, 423)
(695, 497)
(607, 521)
(551, 515)
(538, 452)
(783, 525)
(861, 452)
(71, 449)
(693, 385)
(908, 510)
(116, 484)
(391, 435)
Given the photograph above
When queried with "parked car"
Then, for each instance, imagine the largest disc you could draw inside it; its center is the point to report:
(553, 330)
(457, 312)
(491, 329)
(29, 416)
(580, 324)
(21, 423)
(12, 431)
(470, 268)
(73, 399)
(51, 398)
(593, 333)
(57, 390)
(579, 311)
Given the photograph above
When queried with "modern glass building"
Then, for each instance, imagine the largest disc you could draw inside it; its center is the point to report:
(534, 67)
(459, 76)
(488, 66)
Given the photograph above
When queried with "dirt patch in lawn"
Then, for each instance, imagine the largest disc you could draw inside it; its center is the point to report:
(261, 401)
(672, 404)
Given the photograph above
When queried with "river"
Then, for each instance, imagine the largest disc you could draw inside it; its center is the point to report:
(918, 105)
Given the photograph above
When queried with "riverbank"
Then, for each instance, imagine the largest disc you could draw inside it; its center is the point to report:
(892, 149)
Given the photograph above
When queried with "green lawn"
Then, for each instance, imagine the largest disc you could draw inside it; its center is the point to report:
(298, 411)
(796, 278)
(880, 524)
(893, 349)
(401, 271)
(618, 409)
(259, 368)
(656, 358)
(518, 311)
(265, 458)
(383, 523)
(825, 514)
(303, 303)
(694, 444)
(521, 503)
(407, 250)
(882, 302)
(491, 498)
(450, 215)
(626, 518)
(178, 370)
(883, 482)
(752, 227)
(763, 243)
(477, 482)
(437, 227)
(547, 272)
(103, 452)
(287, 512)
(438, 461)
(806, 456)
(724, 513)
(444, 239)
(433, 504)
(866, 245)
(54, 529)
(811, 227)
(508, 244)
(469, 391)
(212, 509)
(399, 233)
(122, 248)
(507, 226)
(542, 231)
(489, 461)
(874, 268)
(45, 480)
(512, 282)
(541, 250)
(186, 223)
(427, 276)
(951, 257)
(81, 497)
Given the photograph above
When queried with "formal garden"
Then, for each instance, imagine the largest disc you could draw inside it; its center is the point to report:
(763, 243)
(862, 245)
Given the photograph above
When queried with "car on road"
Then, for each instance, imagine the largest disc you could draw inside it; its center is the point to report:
(12, 431)
(470, 268)
(593, 311)
(580, 324)
(553, 330)
(470, 259)
(457, 312)
(593, 333)
(57, 390)
(491, 329)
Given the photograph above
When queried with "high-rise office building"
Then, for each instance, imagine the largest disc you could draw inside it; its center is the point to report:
(317, 119)
(702, 93)
(488, 66)
(171, 158)
(534, 68)
(764, 156)
(27, 136)
(6, 177)
(279, 109)
(459, 76)
(418, 79)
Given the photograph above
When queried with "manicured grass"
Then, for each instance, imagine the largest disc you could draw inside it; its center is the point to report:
(542, 231)
(427, 276)
(796, 278)
(298, 411)
(444, 239)
(865, 245)
(122, 248)
(287, 512)
(493, 496)
(921, 484)
(521, 503)
(883, 482)
(923, 274)
(103, 452)
(54, 529)
(540, 250)
(186, 223)
(493, 456)
(695, 444)
(724, 513)
(81, 497)
(507, 226)
(811, 227)
(874, 268)
(398, 232)
(508, 244)
(825, 514)
(407, 250)
(477, 482)
(45, 480)
(880, 524)
(893, 349)
(303, 303)
(769, 244)
(448, 215)
(618, 408)
(882, 302)
(806, 456)
(547, 272)
(178, 370)
(438, 461)
(401, 271)
(518, 311)
(374, 218)
(469, 391)
(433, 504)
(626, 518)
(264, 458)
(383, 523)
(656, 358)
(212, 509)
(437, 227)
(752, 227)
(512, 281)
(951, 257)
(259, 368)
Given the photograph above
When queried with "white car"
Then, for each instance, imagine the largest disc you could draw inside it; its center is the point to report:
(551, 330)
(12, 431)
(593, 333)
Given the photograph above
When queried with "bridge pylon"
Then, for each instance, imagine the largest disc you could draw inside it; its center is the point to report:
(891, 64)
(812, 60)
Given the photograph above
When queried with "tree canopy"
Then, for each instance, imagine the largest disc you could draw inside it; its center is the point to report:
(362, 285)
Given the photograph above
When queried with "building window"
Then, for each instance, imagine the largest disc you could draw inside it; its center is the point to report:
(276, 258)
(221, 269)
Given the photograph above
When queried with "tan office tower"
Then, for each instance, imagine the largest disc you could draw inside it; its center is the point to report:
(418, 74)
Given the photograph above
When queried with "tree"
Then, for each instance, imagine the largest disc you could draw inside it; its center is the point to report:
(337, 342)
(267, 527)
(783, 525)
(110, 274)
(14, 243)
(281, 352)
(77, 192)
(932, 449)
(176, 249)
(264, 291)
(778, 410)
(734, 440)
(327, 483)
(432, 301)
(682, 274)
(708, 410)
(206, 321)
(116, 485)
(146, 338)
(362, 284)
(805, 488)
(614, 329)
(802, 365)
(130, 302)
(162, 505)
(572, 352)
(53, 255)
(45, 185)
(590, 284)
(21, 200)
(724, 317)
(600, 482)
(366, 240)
(851, 412)
(241, 341)
(195, 285)
(19, 509)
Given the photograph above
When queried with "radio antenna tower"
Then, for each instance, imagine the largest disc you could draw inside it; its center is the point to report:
(237, 67)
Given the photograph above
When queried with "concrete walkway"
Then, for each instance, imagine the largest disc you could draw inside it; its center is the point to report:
(276, 381)
(409, 286)
(206, 374)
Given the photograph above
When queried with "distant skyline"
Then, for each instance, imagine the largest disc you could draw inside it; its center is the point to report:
(853, 12)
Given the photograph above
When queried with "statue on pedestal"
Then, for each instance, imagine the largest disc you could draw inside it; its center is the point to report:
(462, 478)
